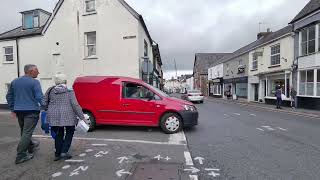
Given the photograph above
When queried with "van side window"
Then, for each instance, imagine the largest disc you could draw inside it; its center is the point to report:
(135, 91)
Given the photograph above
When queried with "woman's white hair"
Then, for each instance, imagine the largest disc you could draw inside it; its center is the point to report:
(60, 78)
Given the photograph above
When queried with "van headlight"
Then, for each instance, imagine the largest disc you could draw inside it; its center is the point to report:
(189, 107)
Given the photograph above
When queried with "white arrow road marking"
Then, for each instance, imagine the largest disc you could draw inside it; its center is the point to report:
(101, 153)
(74, 160)
(193, 177)
(66, 167)
(122, 171)
(158, 157)
(89, 150)
(122, 159)
(82, 155)
(200, 159)
(57, 174)
(282, 129)
(214, 174)
(211, 169)
(260, 129)
(193, 170)
(167, 158)
(188, 158)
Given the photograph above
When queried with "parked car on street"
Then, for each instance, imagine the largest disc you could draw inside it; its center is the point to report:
(132, 102)
(194, 96)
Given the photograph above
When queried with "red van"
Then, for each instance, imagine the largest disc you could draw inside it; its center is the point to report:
(132, 102)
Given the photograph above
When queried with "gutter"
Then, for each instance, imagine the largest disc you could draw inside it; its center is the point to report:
(18, 59)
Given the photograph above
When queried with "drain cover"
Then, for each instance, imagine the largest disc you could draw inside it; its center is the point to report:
(156, 171)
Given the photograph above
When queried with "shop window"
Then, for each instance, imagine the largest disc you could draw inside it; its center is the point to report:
(273, 83)
(302, 84)
(306, 84)
(310, 82)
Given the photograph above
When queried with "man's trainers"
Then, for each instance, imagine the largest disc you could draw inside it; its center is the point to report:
(24, 159)
(65, 156)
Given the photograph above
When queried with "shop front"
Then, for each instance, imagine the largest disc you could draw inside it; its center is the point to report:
(237, 86)
(216, 88)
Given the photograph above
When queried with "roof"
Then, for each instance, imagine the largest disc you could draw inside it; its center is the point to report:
(206, 60)
(19, 32)
(38, 9)
(98, 79)
(311, 7)
(266, 39)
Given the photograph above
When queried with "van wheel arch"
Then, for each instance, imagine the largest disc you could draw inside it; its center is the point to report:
(92, 119)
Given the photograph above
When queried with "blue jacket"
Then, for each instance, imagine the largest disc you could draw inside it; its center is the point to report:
(24, 94)
(278, 93)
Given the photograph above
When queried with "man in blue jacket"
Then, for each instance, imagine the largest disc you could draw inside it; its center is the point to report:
(24, 97)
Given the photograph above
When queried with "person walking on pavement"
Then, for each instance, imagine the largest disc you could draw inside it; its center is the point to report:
(24, 98)
(293, 94)
(62, 112)
(278, 96)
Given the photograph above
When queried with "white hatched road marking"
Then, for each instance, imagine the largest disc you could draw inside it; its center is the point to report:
(188, 158)
(177, 138)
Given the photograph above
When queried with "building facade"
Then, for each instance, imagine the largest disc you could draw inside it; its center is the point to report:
(307, 47)
(270, 65)
(87, 37)
(215, 78)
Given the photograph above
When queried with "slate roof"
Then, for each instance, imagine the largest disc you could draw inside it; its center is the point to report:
(19, 32)
(206, 60)
(311, 7)
(268, 38)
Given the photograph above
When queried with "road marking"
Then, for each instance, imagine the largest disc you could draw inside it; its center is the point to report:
(260, 129)
(200, 159)
(177, 138)
(237, 114)
(56, 174)
(188, 158)
(122, 171)
(193, 177)
(89, 150)
(122, 159)
(214, 174)
(82, 155)
(268, 128)
(253, 115)
(66, 167)
(117, 140)
(74, 160)
(211, 169)
(101, 153)
(193, 170)
(282, 129)
(99, 144)
(157, 157)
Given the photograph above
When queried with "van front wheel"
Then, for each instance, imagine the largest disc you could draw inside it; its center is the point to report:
(92, 121)
(171, 123)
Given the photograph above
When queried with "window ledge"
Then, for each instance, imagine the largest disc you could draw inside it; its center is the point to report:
(274, 66)
(90, 13)
(90, 57)
(8, 62)
(254, 69)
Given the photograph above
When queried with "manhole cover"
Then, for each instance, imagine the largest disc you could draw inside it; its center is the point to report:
(156, 171)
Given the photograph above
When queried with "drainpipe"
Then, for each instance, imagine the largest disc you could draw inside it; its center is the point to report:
(18, 61)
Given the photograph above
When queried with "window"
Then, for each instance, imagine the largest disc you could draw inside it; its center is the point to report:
(36, 21)
(28, 21)
(8, 54)
(318, 82)
(90, 44)
(228, 69)
(306, 83)
(254, 62)
(90, 5)
(135, 91)
(275, 55)
(145, 48)
(308, 40)
(240, 62)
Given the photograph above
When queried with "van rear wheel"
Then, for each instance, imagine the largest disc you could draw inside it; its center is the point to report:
(92, 121)
(171, 123)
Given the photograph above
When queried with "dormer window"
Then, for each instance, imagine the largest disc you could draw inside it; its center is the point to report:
(90, 5)
(34, 18)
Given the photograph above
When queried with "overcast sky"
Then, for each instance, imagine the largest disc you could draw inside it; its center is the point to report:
(185, 27)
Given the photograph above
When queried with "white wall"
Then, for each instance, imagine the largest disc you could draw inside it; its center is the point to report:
(115, 55)
(190, 84)
(8, 71)
(215, 72)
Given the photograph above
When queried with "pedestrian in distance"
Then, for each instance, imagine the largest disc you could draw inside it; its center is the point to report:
(24, 98)
(293, 94)
(63, 113)
(278, 95)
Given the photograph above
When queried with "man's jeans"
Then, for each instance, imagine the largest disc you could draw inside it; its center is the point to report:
(279, 101)
(27, 123)
(63, 143)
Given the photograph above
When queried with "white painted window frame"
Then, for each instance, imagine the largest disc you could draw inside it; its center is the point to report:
(87, 45)
(88, 10)
(254, 60)
(5, 61)
(308, 40)
(276, 54)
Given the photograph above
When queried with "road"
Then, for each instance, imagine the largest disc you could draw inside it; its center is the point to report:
(230, 142)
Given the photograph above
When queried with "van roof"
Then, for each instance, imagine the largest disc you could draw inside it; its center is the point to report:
(97, 79)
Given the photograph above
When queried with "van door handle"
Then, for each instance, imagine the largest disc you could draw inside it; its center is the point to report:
(125, 104)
